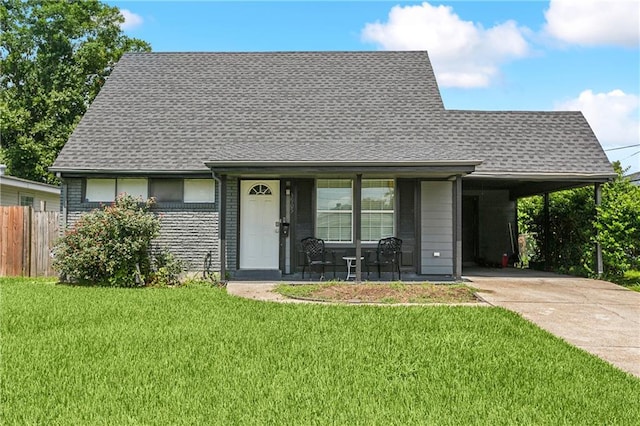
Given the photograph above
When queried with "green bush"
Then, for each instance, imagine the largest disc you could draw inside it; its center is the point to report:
(109, 246)
(631, 279)
(618, 226)
(166, 269)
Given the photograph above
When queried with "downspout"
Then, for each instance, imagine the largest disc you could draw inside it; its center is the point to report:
(222, 224)
(357, 207)
(64, 203)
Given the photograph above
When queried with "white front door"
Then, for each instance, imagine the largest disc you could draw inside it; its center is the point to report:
(259, 235)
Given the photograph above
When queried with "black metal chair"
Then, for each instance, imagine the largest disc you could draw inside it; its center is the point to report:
(316, 256)
(389, 252)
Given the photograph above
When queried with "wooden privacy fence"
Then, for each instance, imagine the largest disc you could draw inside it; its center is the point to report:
(26, 240)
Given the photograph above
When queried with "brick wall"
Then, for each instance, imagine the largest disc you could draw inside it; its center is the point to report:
(189, 231)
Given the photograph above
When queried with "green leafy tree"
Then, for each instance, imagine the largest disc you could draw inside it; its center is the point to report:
(618, 225)
(570, 239)
(55, 56)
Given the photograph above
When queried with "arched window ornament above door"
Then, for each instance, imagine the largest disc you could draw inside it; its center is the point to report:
(260, 189)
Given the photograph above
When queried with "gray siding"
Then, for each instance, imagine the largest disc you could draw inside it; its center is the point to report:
(10, 196)
(436, 208)
(189, 231)
(496, 211)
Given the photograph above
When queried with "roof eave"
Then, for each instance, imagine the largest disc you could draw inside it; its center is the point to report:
(544, 176)
(61, 171)
(451, 167)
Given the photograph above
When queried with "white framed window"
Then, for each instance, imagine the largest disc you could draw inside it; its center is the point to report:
(26, 200)
(136, 187)
(378, 201)
(199, 190)
(100, 190)
(334, 210)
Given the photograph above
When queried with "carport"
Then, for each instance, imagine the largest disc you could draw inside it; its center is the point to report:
(490, 215)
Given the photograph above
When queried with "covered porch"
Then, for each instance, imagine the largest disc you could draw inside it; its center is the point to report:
(266, 209)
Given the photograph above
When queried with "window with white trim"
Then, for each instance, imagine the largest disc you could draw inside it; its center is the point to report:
(136, 187)
(199, 191)
(378, 200)
(100, 190)
(26, 200)
(334, 210)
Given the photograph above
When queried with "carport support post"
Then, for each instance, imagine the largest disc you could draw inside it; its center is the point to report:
(545, 230)
(597, 195)
(357, 206)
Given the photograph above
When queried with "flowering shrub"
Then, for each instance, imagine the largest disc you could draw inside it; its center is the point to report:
(109, 246)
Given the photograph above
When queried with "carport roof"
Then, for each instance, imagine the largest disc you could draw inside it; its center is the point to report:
(174, 112)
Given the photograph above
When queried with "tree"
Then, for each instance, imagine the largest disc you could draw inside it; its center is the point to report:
(618, 225)
(54, 56)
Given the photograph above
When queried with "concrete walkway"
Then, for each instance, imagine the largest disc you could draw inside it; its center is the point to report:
(597, 316)
(258, 291)
(600, 317)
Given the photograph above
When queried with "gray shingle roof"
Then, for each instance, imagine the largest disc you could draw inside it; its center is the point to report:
(175, 111)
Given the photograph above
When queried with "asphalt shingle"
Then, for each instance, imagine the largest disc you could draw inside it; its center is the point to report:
(175, 111)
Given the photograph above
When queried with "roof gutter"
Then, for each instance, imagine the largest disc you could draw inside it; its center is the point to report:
(314, 168)
(141, 172)
(543, 176)
(333, 163)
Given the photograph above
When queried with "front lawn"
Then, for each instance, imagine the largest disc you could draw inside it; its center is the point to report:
(82, 355)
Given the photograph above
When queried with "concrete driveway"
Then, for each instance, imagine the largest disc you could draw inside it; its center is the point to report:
(597, 316)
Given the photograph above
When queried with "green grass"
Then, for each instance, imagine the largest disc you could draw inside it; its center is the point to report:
(631, 280)
(81, 355)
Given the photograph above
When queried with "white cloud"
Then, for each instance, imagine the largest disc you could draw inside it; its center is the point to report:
(613, 116)
(594, 22)
(131, 20)
(463, 53)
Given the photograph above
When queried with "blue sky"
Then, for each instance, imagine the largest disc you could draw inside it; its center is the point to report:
(500, 55)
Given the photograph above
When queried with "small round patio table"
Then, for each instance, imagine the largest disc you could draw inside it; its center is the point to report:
(351, 266)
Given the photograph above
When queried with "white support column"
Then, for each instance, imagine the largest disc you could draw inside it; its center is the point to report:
(599, 262)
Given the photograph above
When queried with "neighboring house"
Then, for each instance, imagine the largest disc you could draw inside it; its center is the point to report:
(21, 192)
(634, 178)
(255, 151)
